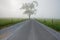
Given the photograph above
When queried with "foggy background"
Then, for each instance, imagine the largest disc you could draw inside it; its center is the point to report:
(45, 9)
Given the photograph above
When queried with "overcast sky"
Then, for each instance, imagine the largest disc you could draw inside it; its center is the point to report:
(45, 9)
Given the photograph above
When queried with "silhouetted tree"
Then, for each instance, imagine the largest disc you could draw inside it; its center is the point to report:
(29, 8)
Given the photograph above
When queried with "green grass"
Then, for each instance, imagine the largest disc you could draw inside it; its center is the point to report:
(6, 22)
(52, 23)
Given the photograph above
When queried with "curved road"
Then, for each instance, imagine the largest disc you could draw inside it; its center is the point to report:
(31, 30)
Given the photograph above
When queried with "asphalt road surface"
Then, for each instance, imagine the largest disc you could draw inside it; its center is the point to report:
(31, 30)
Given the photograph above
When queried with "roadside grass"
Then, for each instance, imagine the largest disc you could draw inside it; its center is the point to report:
(52, 23)
(6, 22)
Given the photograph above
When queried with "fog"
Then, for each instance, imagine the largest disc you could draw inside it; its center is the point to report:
(45, 9)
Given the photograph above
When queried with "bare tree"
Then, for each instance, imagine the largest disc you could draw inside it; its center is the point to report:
(29, 8)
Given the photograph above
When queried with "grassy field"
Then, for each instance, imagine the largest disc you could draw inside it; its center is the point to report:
(53, 23)
(6, 22)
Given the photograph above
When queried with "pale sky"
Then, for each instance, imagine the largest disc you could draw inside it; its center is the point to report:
(45, 9)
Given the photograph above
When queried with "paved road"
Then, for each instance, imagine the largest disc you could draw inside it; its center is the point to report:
(31, 30)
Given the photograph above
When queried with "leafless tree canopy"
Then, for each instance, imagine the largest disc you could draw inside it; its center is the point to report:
(29, 8)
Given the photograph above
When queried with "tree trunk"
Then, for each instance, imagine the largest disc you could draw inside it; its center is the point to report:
(29, 17)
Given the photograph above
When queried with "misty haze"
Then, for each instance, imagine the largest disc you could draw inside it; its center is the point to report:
(29, 19)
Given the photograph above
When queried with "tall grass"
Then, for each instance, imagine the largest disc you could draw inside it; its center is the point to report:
(52, 23)
(4, 22)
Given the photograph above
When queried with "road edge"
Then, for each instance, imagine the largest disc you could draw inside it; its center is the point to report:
(50, 30)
